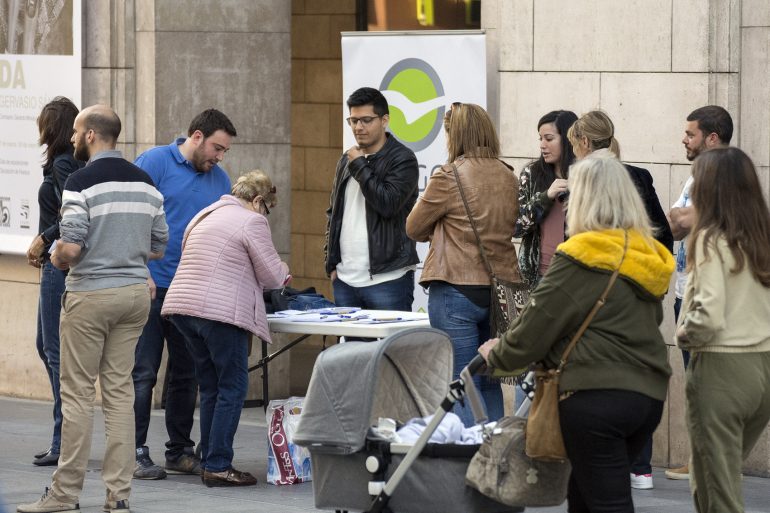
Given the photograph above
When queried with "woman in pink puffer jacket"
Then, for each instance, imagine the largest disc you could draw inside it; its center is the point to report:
(215, 300)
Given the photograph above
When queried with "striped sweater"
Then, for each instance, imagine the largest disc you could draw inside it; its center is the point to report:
(113, 211)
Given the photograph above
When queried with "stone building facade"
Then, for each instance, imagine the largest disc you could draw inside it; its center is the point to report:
(274, 67)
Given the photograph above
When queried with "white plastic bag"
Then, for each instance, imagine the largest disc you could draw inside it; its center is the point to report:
(287, 463)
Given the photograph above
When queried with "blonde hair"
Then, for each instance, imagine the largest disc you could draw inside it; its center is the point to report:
(603, 197)
(255, 183)
(598, 128)
(470, 132)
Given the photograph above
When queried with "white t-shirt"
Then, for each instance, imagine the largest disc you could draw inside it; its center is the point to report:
(681, 254)
(353, 268)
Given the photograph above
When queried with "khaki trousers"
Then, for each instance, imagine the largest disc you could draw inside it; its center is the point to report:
(98, 333)
(728, 408)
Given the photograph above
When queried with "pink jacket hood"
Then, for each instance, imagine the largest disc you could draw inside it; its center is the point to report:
(228, 258)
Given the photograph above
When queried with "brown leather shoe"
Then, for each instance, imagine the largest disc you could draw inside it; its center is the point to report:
(230, 477)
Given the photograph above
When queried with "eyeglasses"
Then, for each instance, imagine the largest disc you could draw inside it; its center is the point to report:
(366, 120)
(267, 210)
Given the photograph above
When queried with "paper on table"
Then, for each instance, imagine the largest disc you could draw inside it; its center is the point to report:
(317, 317)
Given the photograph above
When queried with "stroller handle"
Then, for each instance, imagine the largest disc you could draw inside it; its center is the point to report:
(476, 365)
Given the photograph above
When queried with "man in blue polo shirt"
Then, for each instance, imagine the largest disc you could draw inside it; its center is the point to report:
(188, 175)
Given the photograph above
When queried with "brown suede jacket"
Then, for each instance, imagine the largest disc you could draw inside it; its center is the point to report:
(439, 216)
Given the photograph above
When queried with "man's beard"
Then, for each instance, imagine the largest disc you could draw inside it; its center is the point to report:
(199, 163)
(694, 154)
(81, 152)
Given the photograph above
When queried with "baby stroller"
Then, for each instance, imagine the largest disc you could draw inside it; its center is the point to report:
(405, 376)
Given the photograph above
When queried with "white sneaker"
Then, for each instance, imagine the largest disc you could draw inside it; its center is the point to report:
(641, 481)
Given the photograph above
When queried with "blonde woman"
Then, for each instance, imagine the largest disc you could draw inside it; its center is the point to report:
(616, 378)
(454, 272)
(215, 301)
(592, 132)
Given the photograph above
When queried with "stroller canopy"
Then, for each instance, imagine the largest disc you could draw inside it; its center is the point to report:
(403, 376)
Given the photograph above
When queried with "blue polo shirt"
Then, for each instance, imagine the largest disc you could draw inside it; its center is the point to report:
(186, 192)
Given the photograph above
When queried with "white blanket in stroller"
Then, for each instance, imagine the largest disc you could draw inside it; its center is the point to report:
(450, 431)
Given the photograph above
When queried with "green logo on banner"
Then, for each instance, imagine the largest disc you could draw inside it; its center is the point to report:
(416, 99)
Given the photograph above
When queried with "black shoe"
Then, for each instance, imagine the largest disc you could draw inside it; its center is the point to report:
(146, 468)
(42, 453)
(184, 464)
(48, 460)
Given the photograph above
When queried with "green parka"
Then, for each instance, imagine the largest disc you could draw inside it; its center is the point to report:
(622, 348)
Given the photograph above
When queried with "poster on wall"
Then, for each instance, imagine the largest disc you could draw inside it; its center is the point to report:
(40, 48)
(421, 74)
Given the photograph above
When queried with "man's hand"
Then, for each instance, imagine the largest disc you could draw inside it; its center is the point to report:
(333, 276)
(486, 347)
(65, 254)
(681, 221)
(353, 153)
(57, 260)
(152, 287)
(35, 252)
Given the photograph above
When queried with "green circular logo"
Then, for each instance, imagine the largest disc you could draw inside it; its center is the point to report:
(416, 102)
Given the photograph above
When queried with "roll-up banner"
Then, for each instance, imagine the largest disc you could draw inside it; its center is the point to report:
(40, 58)
(421, 74)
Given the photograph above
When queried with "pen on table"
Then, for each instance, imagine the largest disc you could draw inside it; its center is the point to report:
(285, 282)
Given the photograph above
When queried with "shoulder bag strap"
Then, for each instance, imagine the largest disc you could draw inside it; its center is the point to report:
(599, 303)
(473, 223)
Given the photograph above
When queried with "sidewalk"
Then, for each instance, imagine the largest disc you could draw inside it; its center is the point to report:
(25, 428)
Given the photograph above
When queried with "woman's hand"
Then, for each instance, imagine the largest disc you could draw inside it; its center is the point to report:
(486, 347)
(557, 187)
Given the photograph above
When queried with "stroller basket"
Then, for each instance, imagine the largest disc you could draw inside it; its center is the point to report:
(404, 376)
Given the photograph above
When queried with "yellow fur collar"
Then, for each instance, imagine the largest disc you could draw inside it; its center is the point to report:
(647, 262)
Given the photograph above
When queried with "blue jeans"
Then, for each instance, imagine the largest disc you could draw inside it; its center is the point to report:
(392, 295)
(181, 388)
(48, 312)
(221, 354)
(468, 326)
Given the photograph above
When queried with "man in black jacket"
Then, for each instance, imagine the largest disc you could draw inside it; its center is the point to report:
(369, 257)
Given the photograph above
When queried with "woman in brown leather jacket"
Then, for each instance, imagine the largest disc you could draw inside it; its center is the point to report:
(454, 272)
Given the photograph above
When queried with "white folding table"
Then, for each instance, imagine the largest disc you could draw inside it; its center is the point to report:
(344, 328)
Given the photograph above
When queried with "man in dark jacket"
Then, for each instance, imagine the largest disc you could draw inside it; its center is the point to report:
(369, 257)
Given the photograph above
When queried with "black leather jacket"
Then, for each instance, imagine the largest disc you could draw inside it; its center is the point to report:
(388, 181)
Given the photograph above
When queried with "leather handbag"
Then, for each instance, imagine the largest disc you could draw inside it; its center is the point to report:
(544, 440)
(501, 469)
(507, 298)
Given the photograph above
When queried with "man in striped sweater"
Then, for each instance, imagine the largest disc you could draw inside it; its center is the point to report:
(112, 223)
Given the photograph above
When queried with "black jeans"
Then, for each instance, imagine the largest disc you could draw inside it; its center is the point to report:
(603, 432)
(182, 389)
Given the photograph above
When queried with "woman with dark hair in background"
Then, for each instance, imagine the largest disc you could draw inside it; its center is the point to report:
(55, 126)
(458, 281)
(725, 324)
(543, 187)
